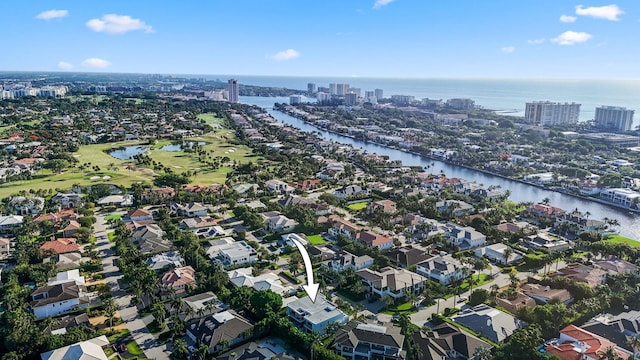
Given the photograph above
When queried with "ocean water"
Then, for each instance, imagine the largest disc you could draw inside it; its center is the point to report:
(503, 95)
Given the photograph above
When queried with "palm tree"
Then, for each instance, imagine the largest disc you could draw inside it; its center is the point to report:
(506, 254)
(482, 353)
(110, 310)
(201, 352)
(634, 342)
(609, 354)
(387, 300)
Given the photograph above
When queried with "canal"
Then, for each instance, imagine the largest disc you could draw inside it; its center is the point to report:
(520, 192)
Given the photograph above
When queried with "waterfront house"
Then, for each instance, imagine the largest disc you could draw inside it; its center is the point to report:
(582, 273)
(392, 282)
(359, 341)
(315, 316)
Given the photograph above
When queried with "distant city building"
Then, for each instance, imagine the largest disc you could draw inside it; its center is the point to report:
(21, 90)
(379, 94)
(461, 104)
(234, 90)
(402, 99)
(350, 99)
(333, 89)
(432, 103)
(342, 89)
(614, 118)
(548, 113)
(369, 94)
(295, 99)
(323, 89)
(323, 97)
(356, 91)
(311, 88)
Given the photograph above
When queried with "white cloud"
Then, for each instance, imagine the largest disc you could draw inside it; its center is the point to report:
(52, 14)
(568, 18)
(536, 41)
(117, 24)
(63, 65)
(288, 54)
(95, 63)
(508, 49)
(608, 12)
(380, 3)
(571, 37)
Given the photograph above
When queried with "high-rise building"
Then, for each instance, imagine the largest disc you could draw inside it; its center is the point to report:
(342, 89)
(356, 91)
(323, 89)
(379, 94)
(351, 99)
(323, 97)
(461, 104)
(548, 113)
(369, 93)
(295, 99)
(614, 118)
(311, 88)
(333, 89)
(234, 90)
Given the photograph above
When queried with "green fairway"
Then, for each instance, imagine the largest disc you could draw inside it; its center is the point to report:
(210, 118)
(358, 206)
(316, 240)
(126, 172)
(619, 239)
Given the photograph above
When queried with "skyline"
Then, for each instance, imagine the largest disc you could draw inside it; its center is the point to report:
(364, 38)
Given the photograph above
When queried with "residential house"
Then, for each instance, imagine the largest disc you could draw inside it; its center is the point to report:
(616, 328)
(150, 239)
(266, 281)
(374, 240)
(315, 316)
(164, 260)
(443, 268)
(577, 343)
(346, 260)
(92, 349)
(68, 200)
(254, 351)
(64, 215)
(582, 273)
(26, 205)
(615, 265)
(66, 261)
(322, 252)
(192, 209)
(464, 238)
(199, 305)
(280, 223)
(138, 215)
(496, 252)
(360, 341)
(66, 276)
(340, 226)
(517, 227)
(308, 184)
(386, 206)
(350, 191)
(392, 282)
(514, 302)
(8, 223)
(198, 222)
(71, 229)
(305, 203)
(546, 242)
(5, 248)
(407, 256)
(543, 211)
(178, 279)
(116, 200)
(61, 245)
(52, 300)
(231, 253)
(489, 322)
(543, 294)
(157, 194)
(447, 342)
(580, 222)
(276, 186)
(457, 207)
(226, 328)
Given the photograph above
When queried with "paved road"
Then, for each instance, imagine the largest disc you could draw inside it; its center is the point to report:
(129, 314)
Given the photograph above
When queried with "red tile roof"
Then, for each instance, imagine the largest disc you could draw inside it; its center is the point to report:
(61, 245)
(579, 343)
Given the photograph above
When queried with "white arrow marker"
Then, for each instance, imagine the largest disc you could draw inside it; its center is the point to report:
(311, 288)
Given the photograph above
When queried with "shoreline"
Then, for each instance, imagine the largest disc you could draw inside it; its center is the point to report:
(486, 172)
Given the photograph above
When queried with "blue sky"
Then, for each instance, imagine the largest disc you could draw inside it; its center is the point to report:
(379, 38)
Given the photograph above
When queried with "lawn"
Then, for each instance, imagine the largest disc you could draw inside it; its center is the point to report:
(479, 280)
(619, 239)
(210, 118)
(133, 348)
(358, 206)
(316, 240)
(118, 335)
(113, 217)
(404, 308)
(124, 172)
